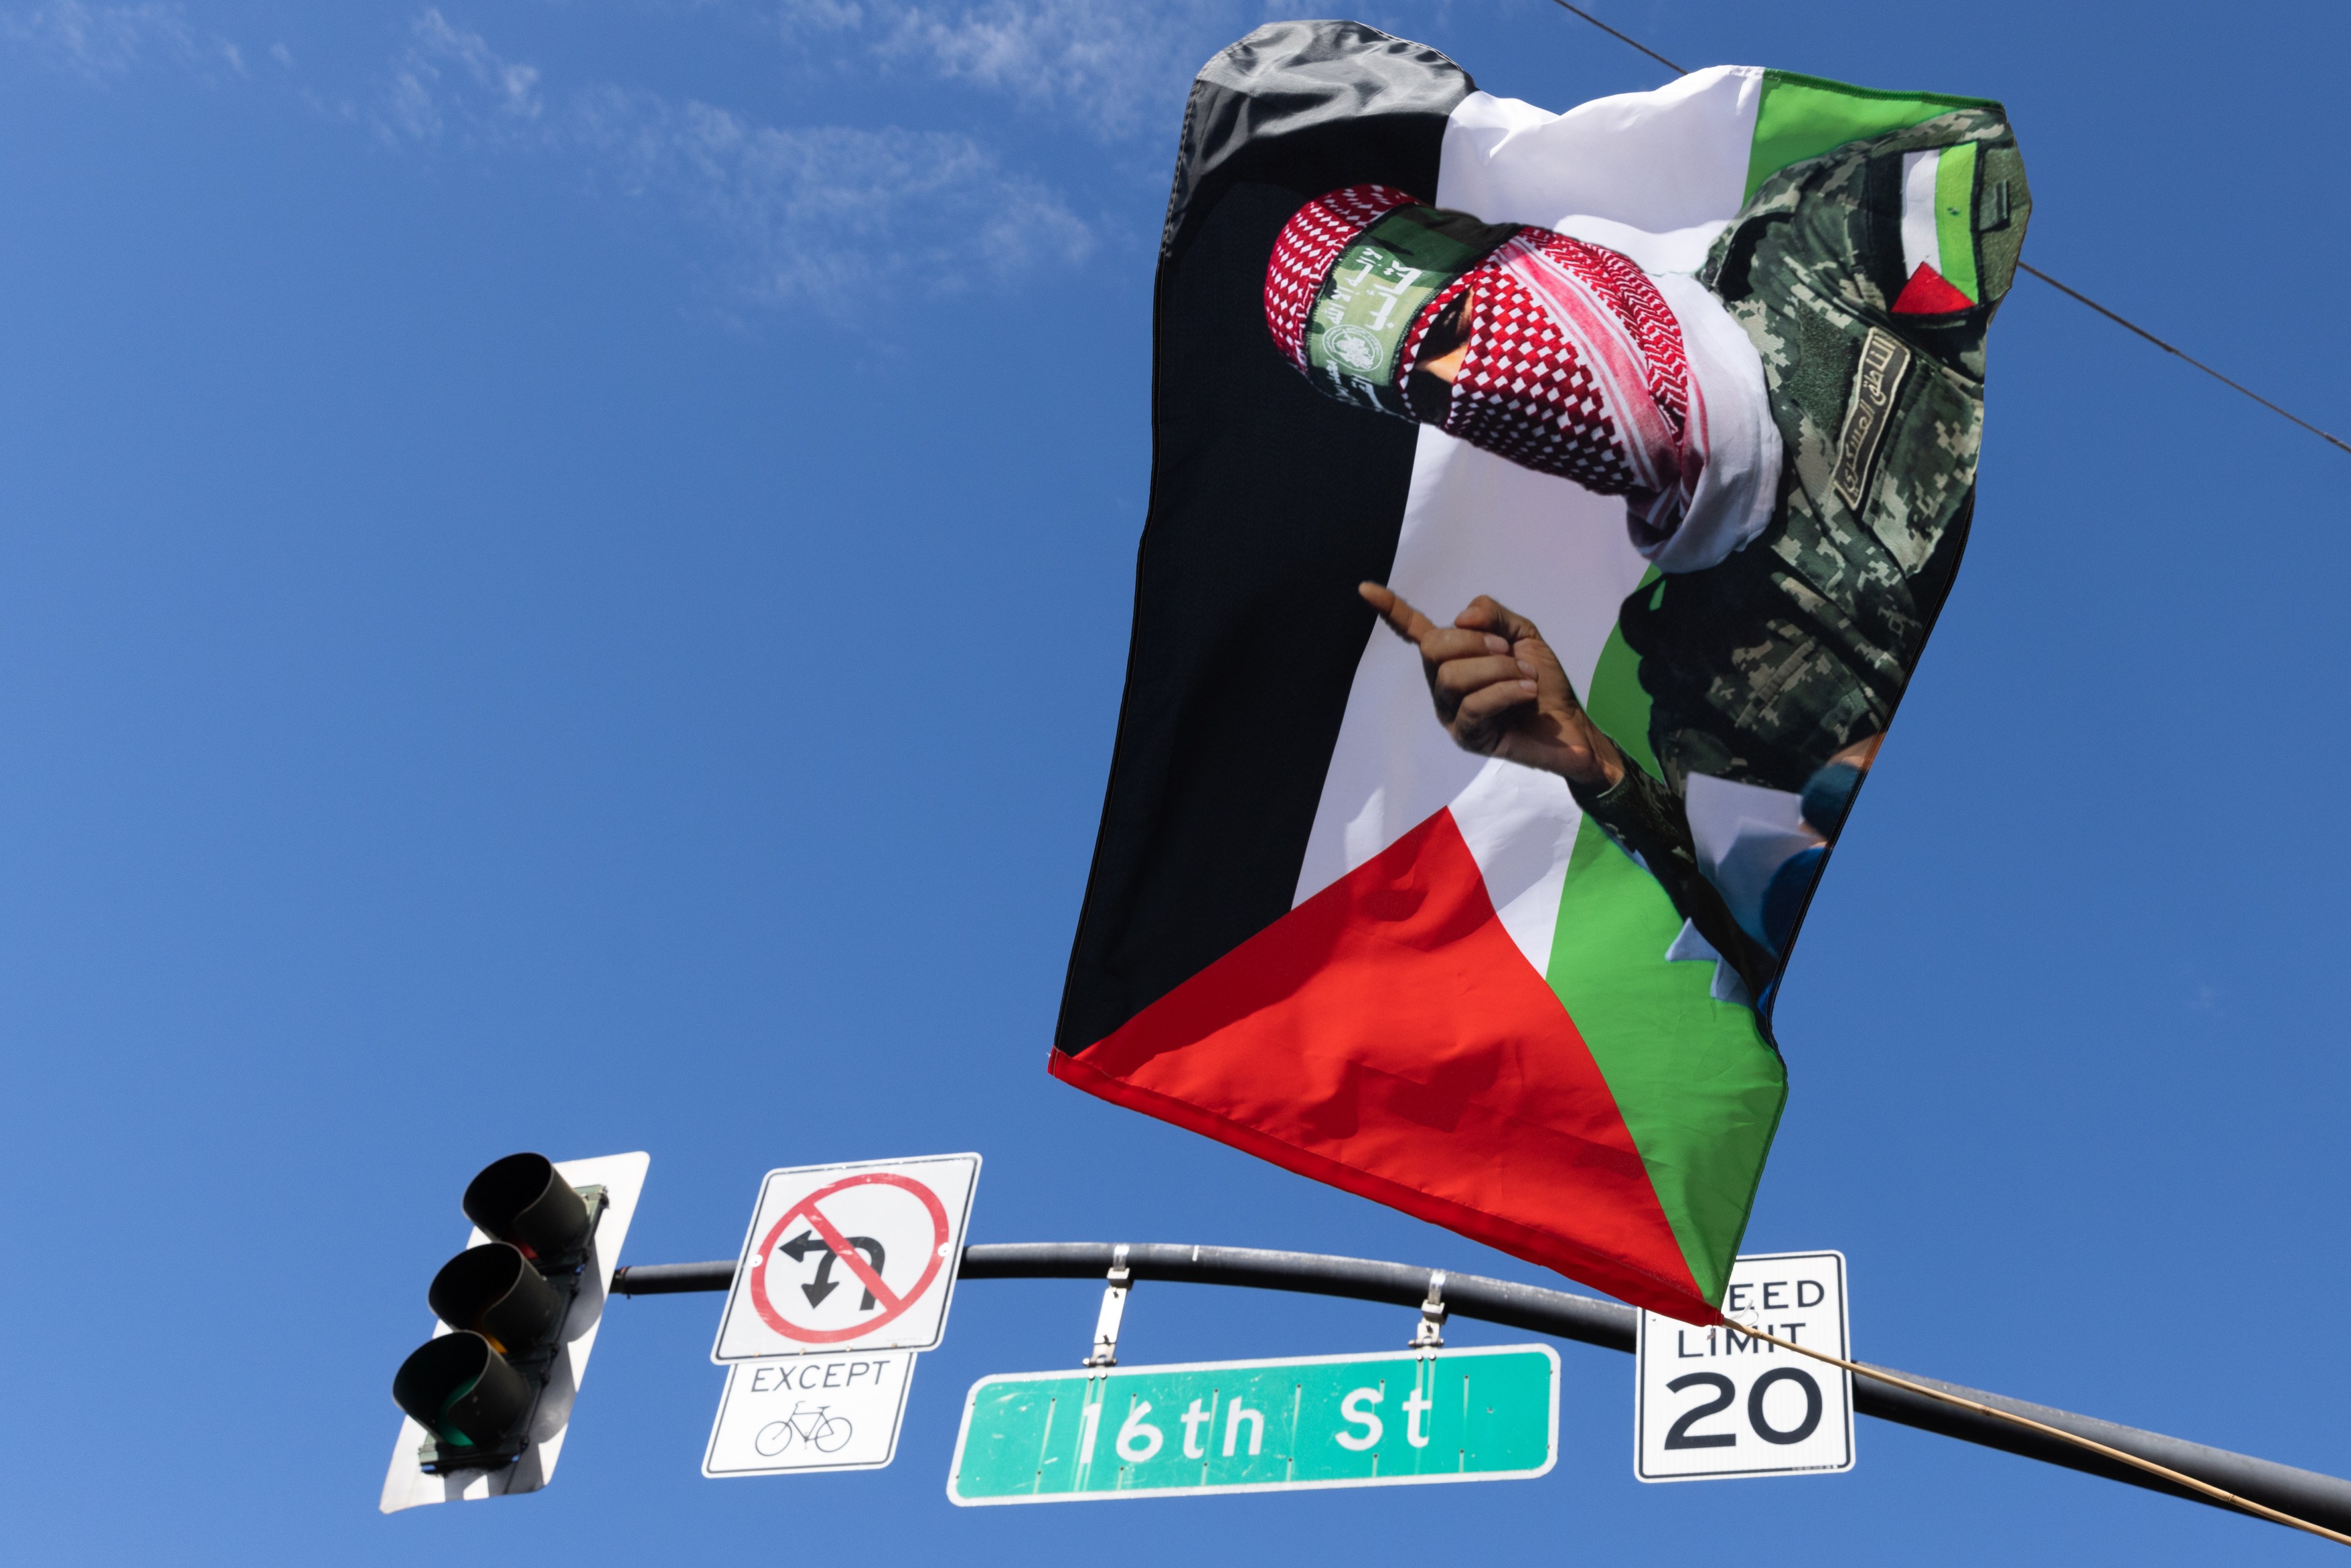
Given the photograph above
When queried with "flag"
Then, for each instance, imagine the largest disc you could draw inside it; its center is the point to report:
(1691, 382)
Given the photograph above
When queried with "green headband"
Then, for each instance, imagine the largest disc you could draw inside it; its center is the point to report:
(1376, 289)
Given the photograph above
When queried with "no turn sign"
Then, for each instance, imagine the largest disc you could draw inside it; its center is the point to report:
(848, 1257)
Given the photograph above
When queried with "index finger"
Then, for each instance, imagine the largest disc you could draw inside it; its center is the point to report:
(1403, 619)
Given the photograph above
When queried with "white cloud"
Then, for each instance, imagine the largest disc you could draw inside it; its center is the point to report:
(811, 215)
(1115, 66)
(102, 41)
(819, 16)
(825, 213)
(449, 78)
(805, 213)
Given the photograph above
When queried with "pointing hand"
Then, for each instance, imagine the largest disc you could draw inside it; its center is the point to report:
(1500, 689)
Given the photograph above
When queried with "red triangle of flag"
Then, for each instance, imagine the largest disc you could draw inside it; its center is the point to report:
(1929, 293)
(1387, 1036)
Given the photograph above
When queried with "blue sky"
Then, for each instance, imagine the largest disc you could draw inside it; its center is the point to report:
(565, 586)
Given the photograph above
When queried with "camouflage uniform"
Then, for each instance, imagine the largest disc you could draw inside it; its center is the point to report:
(1762, 666)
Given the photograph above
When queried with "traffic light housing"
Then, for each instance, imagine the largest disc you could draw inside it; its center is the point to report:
(505, 1304)
(489, 1400)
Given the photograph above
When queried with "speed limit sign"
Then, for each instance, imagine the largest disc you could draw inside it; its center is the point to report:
(1710, 1404)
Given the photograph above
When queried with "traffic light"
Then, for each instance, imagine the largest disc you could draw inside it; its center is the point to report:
(492, 1390)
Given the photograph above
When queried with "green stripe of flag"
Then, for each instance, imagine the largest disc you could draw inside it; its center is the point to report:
(1802, 117)
(1698, 1088)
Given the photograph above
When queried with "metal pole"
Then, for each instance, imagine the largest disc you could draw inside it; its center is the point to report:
(2322, 1499)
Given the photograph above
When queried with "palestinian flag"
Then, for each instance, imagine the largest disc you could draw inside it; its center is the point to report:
(1720, 449)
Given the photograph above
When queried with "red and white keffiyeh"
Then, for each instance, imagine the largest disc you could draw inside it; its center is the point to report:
(1575, 365)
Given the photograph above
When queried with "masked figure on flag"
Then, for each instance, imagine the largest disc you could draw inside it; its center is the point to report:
(1566, 357)
(1698, 382)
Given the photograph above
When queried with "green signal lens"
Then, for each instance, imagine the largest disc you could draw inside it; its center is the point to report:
(460, 1389)
(442, 1428)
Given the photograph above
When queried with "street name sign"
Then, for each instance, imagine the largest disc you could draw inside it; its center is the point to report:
(622, 1178)
(836, 1412)
(1712, 1404)
(1402, 1419)
(848, 1257)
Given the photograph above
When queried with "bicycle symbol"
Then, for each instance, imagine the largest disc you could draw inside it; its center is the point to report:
(830, 1434)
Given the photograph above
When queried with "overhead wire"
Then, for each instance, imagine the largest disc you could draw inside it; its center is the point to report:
(1621, 37)
(2168, 348)
(2191, 1483)
(2114, 315)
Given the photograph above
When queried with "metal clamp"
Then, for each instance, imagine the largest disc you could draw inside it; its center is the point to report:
(1113, 1307)
(1429, 1334)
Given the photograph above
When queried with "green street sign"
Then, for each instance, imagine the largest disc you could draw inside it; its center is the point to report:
(1398, 1419)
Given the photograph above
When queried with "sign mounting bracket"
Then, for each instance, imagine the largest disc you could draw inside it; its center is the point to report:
(1113, 1309)
(1429, 1332)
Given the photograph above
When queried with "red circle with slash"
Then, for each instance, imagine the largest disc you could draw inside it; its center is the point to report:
(892, 1303)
